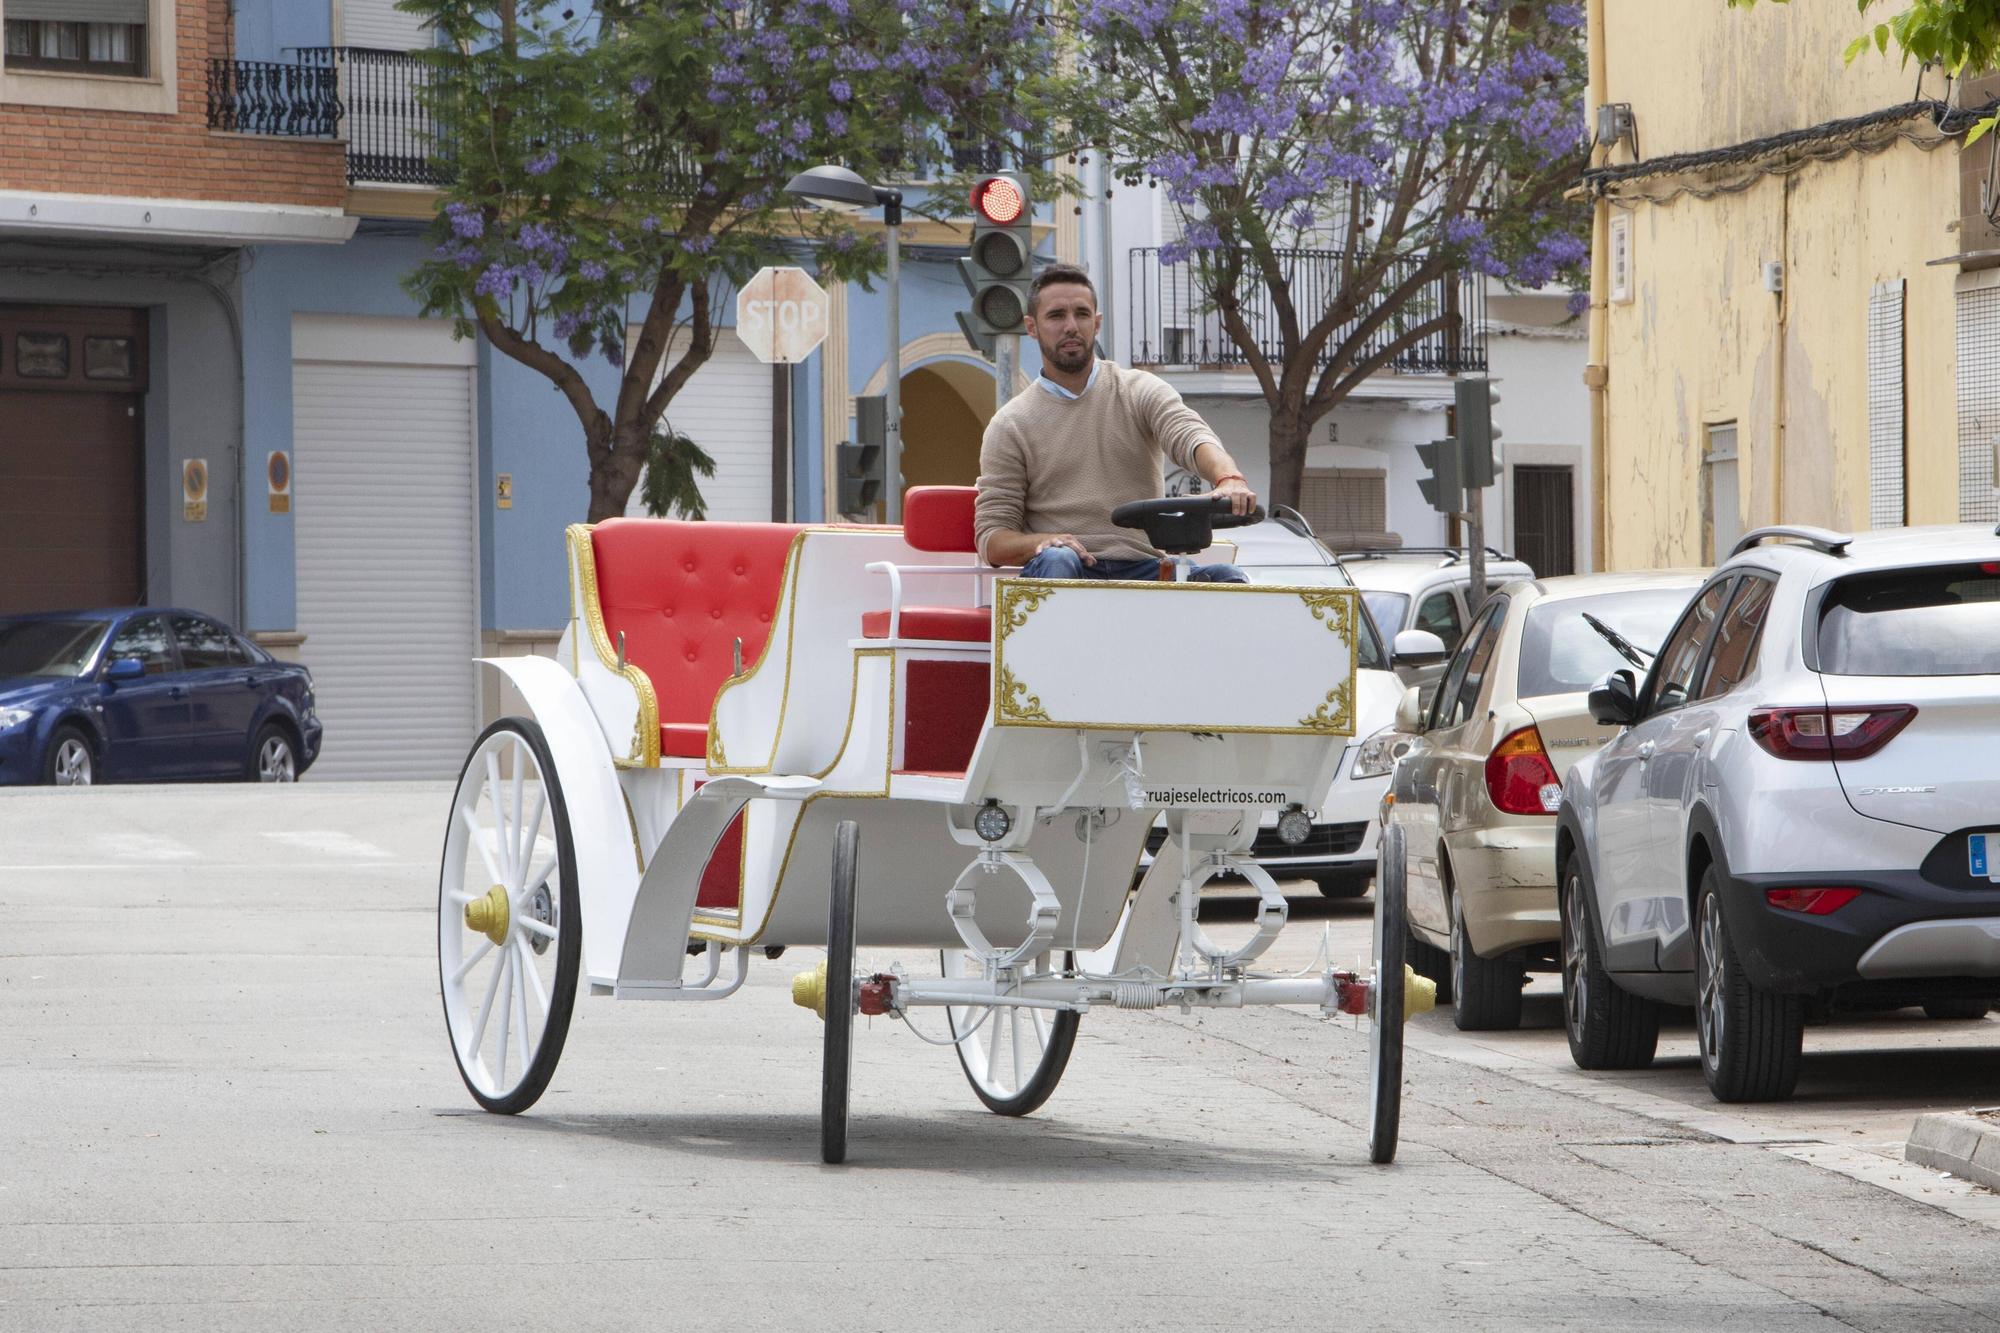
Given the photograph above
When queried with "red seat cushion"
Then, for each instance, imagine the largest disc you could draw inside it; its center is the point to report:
(939, 518)
(682, 594)
(962, 624)
(684, 740)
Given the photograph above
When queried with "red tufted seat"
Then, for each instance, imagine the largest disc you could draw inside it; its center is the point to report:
(682, 594)
(937, 518)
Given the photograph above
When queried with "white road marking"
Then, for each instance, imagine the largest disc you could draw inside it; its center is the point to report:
(331, 841)
(137, 846)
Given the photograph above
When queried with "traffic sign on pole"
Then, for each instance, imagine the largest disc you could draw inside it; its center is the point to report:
(781, 315)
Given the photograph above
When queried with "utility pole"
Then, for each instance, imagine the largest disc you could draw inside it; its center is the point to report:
(1006, 364)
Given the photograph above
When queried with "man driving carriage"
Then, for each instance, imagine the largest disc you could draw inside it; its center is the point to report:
(1088, 437)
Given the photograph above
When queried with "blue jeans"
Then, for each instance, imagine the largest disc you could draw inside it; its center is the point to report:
(1059, 562)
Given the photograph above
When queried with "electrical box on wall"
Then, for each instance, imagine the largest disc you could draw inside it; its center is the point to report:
(1774, 276)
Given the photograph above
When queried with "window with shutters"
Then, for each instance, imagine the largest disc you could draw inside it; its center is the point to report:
(1346, 506)
(1978, 345)
(1885, 405)
(78, 36)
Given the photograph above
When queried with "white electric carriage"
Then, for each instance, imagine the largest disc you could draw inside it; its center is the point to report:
(761, 736)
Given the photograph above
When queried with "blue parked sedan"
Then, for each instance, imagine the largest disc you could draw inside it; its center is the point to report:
(147, 695)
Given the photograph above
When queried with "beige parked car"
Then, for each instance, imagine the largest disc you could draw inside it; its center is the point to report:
(1477, 790)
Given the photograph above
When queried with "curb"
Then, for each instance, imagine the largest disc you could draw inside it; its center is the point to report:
(1967, 1144)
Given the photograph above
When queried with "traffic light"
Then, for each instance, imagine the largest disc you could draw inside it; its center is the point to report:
(1444, 488)
(1002, 262)
(859, 463)
(1475, 401)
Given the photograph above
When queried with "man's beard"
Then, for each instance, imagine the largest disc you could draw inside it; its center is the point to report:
(1069, 360)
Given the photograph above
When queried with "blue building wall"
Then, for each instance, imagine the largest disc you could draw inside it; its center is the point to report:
(526, 428)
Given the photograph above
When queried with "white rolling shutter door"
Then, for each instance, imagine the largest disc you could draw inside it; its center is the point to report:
(378, 24)
(725, 407)
(387, 589)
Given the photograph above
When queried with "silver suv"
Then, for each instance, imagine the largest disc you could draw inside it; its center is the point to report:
(1802, 811)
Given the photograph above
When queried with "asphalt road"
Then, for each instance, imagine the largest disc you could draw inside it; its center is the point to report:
(226, 1101)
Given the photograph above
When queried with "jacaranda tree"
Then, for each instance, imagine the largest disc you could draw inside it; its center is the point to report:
(1333, 160)
(628, 163)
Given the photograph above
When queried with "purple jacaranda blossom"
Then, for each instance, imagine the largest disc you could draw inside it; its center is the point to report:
(496, 282)
(641, 86)
(534, 236)
(698, 245)
(542, 163)
(836, 123)
(840, 91)
(649, 224)
(467, 222)
(592, 271)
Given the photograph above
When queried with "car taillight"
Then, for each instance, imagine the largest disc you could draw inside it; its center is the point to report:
(1520, 778)
(1813, 902)
(1828, 733)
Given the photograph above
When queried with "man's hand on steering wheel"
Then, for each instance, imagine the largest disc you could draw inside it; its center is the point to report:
(1063, 539)
(1241, 498)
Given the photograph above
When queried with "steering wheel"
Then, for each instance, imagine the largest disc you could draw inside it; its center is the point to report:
(1182, 524)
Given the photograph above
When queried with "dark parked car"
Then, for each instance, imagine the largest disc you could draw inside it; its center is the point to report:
(147, 695)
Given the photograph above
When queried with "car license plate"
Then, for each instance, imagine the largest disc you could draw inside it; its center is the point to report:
(1983, 863)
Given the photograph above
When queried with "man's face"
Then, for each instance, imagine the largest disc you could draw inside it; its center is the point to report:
(1064, 324)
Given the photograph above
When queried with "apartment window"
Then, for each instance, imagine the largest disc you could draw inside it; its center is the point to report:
(1722, 514)
(77, 36)
(1346, 506)
(1886, 443)
(1621, 257)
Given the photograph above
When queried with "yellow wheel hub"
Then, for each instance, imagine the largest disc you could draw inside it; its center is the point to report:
(489, 915)
(1420, 994)
(809, 990)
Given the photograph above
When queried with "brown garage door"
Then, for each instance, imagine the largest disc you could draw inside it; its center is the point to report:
(72, 514)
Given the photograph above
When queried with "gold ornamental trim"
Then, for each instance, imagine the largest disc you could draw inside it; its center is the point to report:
(646, 729)
(1018, 601)
(1028, 709)
(1336, 711)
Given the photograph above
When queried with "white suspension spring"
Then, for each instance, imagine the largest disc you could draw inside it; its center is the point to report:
(1135, 995)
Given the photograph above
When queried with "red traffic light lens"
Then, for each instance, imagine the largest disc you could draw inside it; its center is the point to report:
(998, 199)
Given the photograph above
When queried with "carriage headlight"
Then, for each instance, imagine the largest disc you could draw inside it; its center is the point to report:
(992, 823)
(1294, 826)
(1379, 754)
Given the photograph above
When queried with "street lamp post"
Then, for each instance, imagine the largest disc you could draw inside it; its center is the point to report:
(842, 190)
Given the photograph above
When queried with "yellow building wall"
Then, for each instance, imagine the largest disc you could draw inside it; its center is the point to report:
(1701, 75)
(1702, 342)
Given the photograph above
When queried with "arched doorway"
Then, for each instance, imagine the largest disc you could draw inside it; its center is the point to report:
(946, 405)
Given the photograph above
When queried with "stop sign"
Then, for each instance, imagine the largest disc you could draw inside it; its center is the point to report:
(781, 315)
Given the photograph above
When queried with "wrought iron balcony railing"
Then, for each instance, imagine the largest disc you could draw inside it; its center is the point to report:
(264, 97)
(391, 137)
(1174, 323)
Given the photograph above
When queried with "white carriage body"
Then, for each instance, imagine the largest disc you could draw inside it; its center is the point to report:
(1081, 696)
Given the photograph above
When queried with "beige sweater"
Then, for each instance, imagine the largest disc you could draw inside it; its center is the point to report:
(1051, 464)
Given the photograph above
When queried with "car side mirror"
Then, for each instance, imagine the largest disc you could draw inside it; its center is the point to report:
(124, 669)
(1418, 647)
(1614, 700)
(1410, 711)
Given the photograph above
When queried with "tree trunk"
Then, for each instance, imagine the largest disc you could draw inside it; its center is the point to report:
(1289, 432)
(617, 457)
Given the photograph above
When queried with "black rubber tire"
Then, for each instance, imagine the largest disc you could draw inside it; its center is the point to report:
(1385, 1037)
(1608, 1028)
(569, 930)
(67, 733)
(1340, 884)
(1433, 964)
(253, 769)
(1956, 1008)
(837, 1055)
(1756, 1053)
(1487, 990)
(1042, 1084)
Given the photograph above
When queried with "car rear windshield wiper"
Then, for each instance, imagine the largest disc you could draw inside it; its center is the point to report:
(1627, 649)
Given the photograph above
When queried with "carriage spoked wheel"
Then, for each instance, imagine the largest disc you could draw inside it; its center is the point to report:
(510, 936)
(837, 1056)
(1386, 1009)
(1012, 1057)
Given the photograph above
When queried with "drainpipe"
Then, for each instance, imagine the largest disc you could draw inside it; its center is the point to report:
(1597, 374)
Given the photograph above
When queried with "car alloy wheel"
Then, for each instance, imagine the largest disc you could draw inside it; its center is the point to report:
(73, 765)
(275, 762)
(1575, 963)
(1711, 1017)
